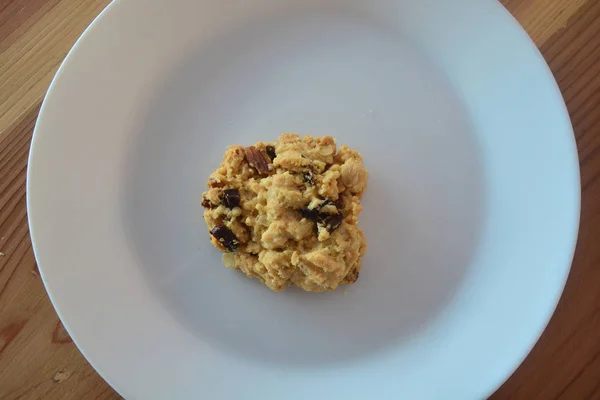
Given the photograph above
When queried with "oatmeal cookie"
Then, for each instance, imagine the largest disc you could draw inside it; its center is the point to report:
(286, 212)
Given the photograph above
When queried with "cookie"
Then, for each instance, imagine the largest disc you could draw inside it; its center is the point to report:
(286, 212)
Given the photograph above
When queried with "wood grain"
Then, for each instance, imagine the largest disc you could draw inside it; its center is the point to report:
(38, 360)
(565, 363)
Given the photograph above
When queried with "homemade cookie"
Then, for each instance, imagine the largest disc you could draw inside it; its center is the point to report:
(286, 212)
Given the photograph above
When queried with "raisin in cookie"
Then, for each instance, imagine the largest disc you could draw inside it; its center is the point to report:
(286, 213)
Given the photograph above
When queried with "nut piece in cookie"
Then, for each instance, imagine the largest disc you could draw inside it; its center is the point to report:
(258, 160)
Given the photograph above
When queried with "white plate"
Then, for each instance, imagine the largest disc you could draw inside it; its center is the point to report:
(471, 213)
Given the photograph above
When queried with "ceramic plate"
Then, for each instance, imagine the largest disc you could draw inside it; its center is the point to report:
(471, 213)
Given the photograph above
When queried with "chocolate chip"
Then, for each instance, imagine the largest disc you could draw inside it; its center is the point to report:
(224, 235)
(271, 152)
(308, 177)
(332, 222)
(231, 198)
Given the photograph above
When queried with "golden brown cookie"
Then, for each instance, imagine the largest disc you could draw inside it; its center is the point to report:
(286, 212)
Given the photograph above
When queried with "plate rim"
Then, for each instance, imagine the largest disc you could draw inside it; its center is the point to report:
(113, 5)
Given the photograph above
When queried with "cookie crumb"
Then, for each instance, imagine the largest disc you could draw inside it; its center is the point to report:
(60, 376)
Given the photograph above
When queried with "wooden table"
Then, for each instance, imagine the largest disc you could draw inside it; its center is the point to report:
(38, 359)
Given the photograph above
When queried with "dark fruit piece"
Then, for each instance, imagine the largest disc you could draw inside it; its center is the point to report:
(315, 214)
(224, 235)
(231, 198)
(215, 183)
(310, 214)
(271, 152)
(351, 277)
(325, 203)
(308, 177)
(332, 222)
(206, 203)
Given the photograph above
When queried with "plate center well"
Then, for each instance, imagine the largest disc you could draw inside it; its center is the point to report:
(318, 75)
